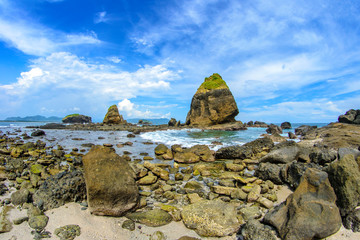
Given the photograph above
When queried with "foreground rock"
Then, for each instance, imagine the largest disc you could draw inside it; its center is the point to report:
(310, 212)
(211, 218)
(113, 116)
(344, 176)
(212, 104)
(76, 118)
(59, 189)
(110, 182)
(152, 218)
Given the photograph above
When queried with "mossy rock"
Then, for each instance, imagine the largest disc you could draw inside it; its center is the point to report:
(68, 232)
(37, 168)
(152, 218)
(215, 81)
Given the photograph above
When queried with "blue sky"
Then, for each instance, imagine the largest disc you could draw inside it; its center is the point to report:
(295, 61)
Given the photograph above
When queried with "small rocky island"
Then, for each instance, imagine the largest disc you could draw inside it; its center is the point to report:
(212, 104)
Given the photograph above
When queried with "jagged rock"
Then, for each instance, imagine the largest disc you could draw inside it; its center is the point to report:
(113, 116)
(292, 135)
(172, 122)
(110, 182)
(292, 173)
(76, 118)
(344, 176)
(213, 218)
(59, 189)
(269, 171)
(254, 230)
(310, 212)
(213, 103)
(285, 154)
(352, 221)
(38, 133)
(285, 125)
(274, 129)
(244, 151)
(303, 129)
(352, 116)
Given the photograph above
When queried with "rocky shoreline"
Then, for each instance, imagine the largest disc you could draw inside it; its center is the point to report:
(233, 193)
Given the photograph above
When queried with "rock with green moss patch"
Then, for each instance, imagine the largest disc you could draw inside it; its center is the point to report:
(212, 104)
(76, 118)
(152, 218)
(113, 116)
(68, 232)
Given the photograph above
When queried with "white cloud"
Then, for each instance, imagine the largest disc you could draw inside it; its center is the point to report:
(65, 79)
(101, 17)
(131, 111)
(32, 37)
(114, 59)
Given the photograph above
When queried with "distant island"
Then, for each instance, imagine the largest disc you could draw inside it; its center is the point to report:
(36, 118)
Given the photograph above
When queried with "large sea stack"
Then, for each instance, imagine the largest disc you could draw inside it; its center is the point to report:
(212, 104)
(113, 116)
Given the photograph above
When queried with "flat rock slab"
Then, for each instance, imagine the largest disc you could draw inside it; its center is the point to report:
(211, 218)
(152, 218)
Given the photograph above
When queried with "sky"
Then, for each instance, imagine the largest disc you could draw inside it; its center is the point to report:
(296, 61)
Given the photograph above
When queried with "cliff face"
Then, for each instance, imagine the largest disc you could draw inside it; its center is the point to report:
(212, 104)
(113, 116)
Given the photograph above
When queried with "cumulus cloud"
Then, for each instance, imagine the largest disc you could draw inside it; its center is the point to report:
(64, 75)
(131, 111)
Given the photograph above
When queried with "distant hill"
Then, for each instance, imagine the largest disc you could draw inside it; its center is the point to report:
(37, 118)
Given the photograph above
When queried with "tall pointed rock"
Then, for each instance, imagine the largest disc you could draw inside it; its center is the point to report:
(212, 104)
(113, 116)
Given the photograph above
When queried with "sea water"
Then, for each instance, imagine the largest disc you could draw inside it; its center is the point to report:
(70, 139)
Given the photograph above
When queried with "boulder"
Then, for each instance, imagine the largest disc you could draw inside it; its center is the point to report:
(285, 154)
(110, 182)
(212, 104)
(352, 116)
(211, 218)
(344, 176)
(38, 133)
(76, 118)
(59, 189)
(172, 122)
(303, 129)
(244, 151)
(113, 116)
(310, 212)
(21, 196)
(274, 129)
(269, 171)
(254, 230)
(285, 125)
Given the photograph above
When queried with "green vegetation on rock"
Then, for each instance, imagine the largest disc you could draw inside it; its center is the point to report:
(215, 81)
(72, 115)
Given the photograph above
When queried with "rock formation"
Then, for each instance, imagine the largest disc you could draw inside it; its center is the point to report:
(352, 116)
(310, 212)
(213, 103)
(76, 118)
(113, 116)
(110, 182)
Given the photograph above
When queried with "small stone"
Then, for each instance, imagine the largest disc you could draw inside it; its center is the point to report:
(38, 222)
(68, 232)
(20, 220)
(157, 236)
(254, 194)
(194, 197)
(265, 202)
(129, 225)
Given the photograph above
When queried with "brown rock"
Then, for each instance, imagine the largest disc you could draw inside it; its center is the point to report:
(110, 182)
(213, 103)
(113, 116)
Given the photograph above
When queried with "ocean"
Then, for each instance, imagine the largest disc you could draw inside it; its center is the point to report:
(70, 139)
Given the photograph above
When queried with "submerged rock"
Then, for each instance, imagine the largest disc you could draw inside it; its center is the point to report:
(213, 103)
(113, 116)
(211, 218)
(310, 212)
(110, 182)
